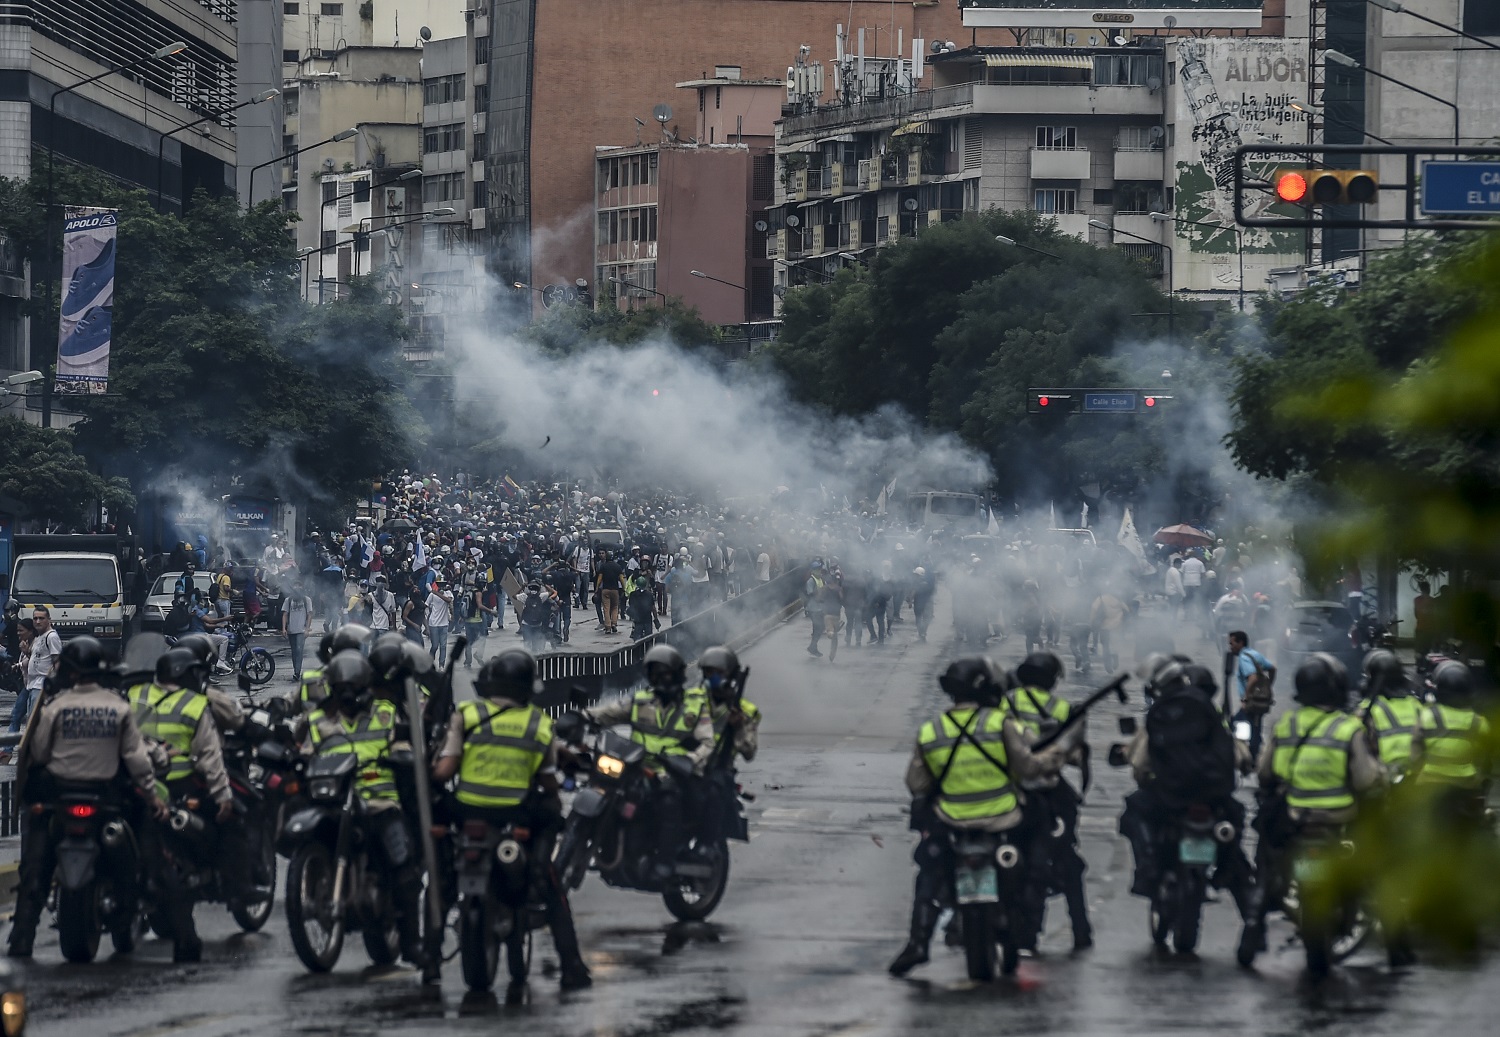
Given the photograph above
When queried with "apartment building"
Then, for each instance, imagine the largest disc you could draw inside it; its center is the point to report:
(312, 28)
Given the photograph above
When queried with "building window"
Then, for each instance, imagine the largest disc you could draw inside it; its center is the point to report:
(289, 57)
(291, 8)
(1140, 138)
(443, 138)
(481, 50)
(290, 102)
(361, 192)
(333, 10)
(1482, 17)
(1138, 196)
(481, 196)
(1055, 200)
(481, 98)
(1127, 69)
(443, 89)
(1057, 138)
(448, 187)
(328, 239)
(330, 191)
(479, 143)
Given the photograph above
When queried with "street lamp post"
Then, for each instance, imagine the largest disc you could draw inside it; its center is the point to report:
(744, 310)
(1171, 266)
(156, 55)
(410, 174)
(161, 141)
(250, 186)
(1029, 248)
(1298, 106)
(1340, 58)
(1239, 241)
(638, 287)
(446, 210)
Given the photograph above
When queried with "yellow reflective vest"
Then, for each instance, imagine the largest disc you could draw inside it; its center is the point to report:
(1396, 721)
(973, 786)
(170, 717)
(368, 737)
(1312, 757)
(1452, 737)
(1035, 708)
(503, 750)
(664, 732)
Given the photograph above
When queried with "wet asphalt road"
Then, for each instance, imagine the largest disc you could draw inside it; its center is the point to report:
(817, 906)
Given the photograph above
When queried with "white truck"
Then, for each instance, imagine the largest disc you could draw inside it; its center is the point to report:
(81, 581)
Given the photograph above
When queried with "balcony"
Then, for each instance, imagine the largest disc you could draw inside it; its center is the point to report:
(1134, 226)
(1073, 224)
(1140, 165)
(1060, 163)
(1068, 99)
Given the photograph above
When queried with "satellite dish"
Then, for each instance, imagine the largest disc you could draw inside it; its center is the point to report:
(1170, 21)
(1153, 84)
(1120, 41)
(950, 45)
(910, 205)
(937, 46)
(794, 221)
(582, 283)
(1157, 133)
(1072, 38)
(662, 113)
(762, 226)
(779, 291)
(831, 265)
(425, 33)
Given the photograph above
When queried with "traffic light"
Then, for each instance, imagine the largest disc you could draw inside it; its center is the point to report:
(1327, 186)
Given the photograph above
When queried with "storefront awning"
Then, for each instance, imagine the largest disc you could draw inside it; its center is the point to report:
(914, 127)
(1043, 60)
(842, 138)
(807, 147)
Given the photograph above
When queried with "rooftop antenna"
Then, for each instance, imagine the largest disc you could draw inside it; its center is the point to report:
(662, 113)
(639, 125)
(397, 41)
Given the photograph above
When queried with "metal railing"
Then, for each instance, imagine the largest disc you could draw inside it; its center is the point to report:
(890, 107)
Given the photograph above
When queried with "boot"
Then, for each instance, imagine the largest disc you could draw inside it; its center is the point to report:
(1253, 936)
(409, 923)
(924, 917)
(1143, 848)
(575, 974)
(1078, 912)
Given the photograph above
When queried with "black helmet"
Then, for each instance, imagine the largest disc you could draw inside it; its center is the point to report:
(181, 668)
(1040, 670)
(1452, 684)
(1384, 674)
(511, 674)
(666, 671)
(350, 637)
(418, 659)
(201, 646)
(388, 659)
(720, 666)
(1322, 681)
(973, 678)
(82, 659)
(325, 647)
(1199, 678)
(349, 676)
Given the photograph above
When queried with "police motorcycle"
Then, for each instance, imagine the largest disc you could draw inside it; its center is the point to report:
(497, 904)
(98, 869)
(612, 826)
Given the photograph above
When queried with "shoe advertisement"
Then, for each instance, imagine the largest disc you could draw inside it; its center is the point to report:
(88, 278)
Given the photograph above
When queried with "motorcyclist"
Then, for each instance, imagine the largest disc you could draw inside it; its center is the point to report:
(1054, 857)
(352, 720)
(1312, 773)
(80, 736)
(730, 711)
(313, 688)
(962, 775)
(1391, 713)
(677, 730)
(175, 712)
(502, 751)
(1191, 735)
(1454, 736)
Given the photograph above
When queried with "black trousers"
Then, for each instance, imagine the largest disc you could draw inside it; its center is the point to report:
(1053, 862)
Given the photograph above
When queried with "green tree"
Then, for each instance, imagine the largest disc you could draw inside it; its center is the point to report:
(42, 471)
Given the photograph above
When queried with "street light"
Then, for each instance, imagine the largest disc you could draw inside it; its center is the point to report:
(1298, 106)
(1012, 241)
(250, 187)
(156, 55)
(711, 277)
(638, 287)
(161, 141)
(1239, 241)
(1340, 58)
(1171, 265)
(1395, 6)
(444, 211)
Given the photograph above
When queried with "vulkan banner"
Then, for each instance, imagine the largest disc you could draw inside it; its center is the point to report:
(88, 277)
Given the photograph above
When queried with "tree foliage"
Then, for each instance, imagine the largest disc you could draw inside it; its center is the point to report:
(42, 471)
(564, 330)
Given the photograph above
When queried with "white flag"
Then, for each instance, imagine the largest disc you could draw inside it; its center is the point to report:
(419, 553)
(1129, 539)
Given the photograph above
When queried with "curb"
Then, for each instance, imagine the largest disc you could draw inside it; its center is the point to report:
(10, 879)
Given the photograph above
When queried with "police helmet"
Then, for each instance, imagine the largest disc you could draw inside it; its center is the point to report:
(180, 668)
(1453, 684)
(973, 678)
(82, 659)
(666, 671)
(720, 665)
(1040, 670)
(388, 659)
(201, 646)
(418, 660)
(351, 637)
(1383, 674)
(349, 676)
(1199, 678)
(1322, 681)
(325, 647)
(511, 675)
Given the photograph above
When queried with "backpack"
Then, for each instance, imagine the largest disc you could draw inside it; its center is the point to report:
(176, 620)
(1192, 752)
(535, 611)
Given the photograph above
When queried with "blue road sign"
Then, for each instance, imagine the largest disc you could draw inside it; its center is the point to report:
(1109, 402)
(1460, 188)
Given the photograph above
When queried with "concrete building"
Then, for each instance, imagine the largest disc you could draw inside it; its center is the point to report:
(667, 208)
(313, 28)
(116, 124)
(259, 128)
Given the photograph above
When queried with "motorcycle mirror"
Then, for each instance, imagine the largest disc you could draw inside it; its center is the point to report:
(1117, 757)
(1127, 726)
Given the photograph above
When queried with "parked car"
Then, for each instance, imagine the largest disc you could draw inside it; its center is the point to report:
(159, 600)
(1318, 626)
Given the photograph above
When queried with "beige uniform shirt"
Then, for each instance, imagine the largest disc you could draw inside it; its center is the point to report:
(746, 736)
(82, 735)
(1023, 764)
(208, 758)
(617, 711)
(227, 712)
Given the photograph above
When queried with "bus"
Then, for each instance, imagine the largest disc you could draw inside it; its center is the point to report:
(939, 509)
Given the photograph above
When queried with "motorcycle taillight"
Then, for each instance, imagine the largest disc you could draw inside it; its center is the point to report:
(81, 811)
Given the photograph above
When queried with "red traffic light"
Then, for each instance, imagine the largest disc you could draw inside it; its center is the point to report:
(1291, 187)
(1042, 401)
(655, 392)
(1151, 401)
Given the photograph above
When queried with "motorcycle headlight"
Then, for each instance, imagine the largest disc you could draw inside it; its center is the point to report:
(609, 766)
(324, 789)
(13, 1012)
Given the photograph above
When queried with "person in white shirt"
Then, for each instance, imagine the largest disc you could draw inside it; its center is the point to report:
(383, 607)
(1174, 587)
(762, 567)
(439, 616)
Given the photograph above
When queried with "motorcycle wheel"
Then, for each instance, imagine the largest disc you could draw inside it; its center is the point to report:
(979, 941)
(518, 952)
(125, 929)
(252, 918)
(381, 934)
(258, 665)
(693, 900)
(1356, 928)
(571, 858)
(1190, 893)
(317, 926)
(78, 923)
(478, 949)
(1318, 960)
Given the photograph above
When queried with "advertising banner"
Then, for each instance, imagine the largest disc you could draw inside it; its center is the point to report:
(88, 299)
(1135, 14)
(1231, 92)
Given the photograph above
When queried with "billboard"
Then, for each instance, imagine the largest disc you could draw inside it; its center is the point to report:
(1132, 14)
(86, 323)
(1231, 92)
